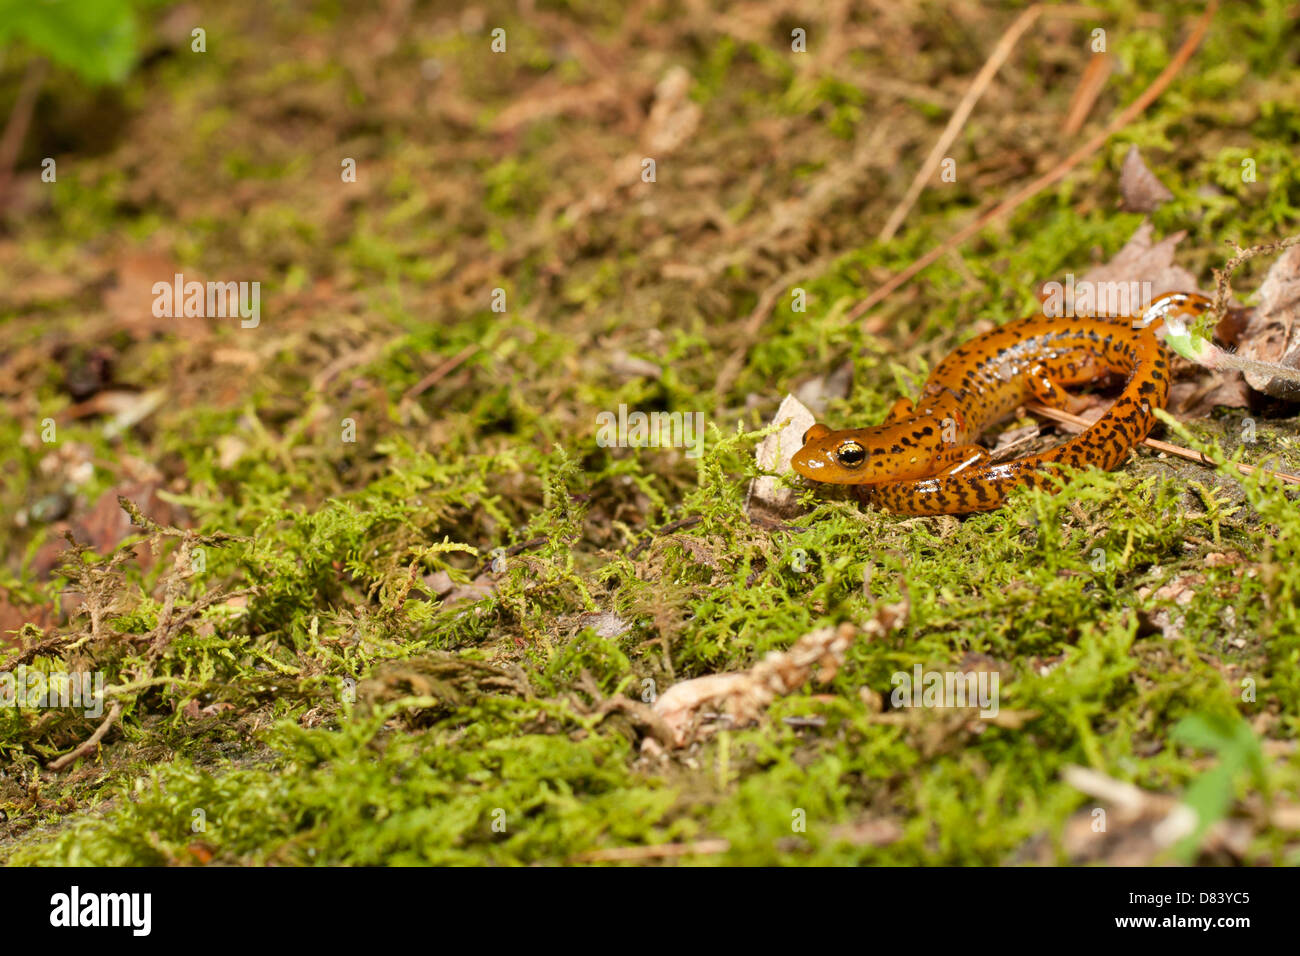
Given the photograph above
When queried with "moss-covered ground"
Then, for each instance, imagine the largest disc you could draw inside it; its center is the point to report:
(353, 672)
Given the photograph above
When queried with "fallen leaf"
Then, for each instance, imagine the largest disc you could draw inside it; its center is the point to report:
(130, 299)
(1201, 396)
(1141, 260)
(1271, 333)
(105, 525)
(1140, 190)
(441, 585)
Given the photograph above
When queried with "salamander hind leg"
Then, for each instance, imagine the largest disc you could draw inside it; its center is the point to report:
(1047, 388)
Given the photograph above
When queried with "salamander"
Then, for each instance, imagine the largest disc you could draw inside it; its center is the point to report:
(923, 460)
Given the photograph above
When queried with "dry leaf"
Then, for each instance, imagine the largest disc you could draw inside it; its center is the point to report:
(1271, 332)
(1139, 188)
(441, 585)
(1141, 260)
(1199, 397)
(130, 300)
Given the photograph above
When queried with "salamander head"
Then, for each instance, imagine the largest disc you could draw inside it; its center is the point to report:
(1171, 308)
(865, 456)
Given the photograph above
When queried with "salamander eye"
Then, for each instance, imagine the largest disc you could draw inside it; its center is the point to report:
(850, 454)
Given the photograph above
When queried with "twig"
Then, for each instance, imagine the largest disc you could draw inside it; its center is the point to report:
(87, 746)
(345, 361)
(981, 82)
(1126, 116)
(1223, 277)
(619, 854)
(11, 143)
(1090, 86)
(1178, 450)
(666, 529)
(762, 309)
(441, 372)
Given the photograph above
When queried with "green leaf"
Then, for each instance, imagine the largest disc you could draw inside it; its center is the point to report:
(94, 38)
(1211, 794)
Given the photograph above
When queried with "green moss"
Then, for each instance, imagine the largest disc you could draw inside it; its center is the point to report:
(318, 693)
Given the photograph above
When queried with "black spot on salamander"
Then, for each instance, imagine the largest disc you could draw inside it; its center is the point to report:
(896, 450)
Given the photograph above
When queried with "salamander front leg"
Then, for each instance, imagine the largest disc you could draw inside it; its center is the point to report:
(958, 458)
(903, 408)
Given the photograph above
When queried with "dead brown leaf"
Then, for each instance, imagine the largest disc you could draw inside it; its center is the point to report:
(1139, 188)
(1271, 331)
(1142, 260)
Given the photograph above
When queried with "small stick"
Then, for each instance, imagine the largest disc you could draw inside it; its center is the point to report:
(1178, 450)
(666, 529)
(981, 82)
(622, 853)
(1223, 277)
(87, 746)
(1090, 86)
(441, 372)
(1026, 193)
(16, 128)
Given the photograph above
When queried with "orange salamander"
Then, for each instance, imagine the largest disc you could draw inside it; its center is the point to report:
(922, 460)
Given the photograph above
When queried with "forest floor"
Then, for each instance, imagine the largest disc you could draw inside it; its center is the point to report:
(386, 599)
